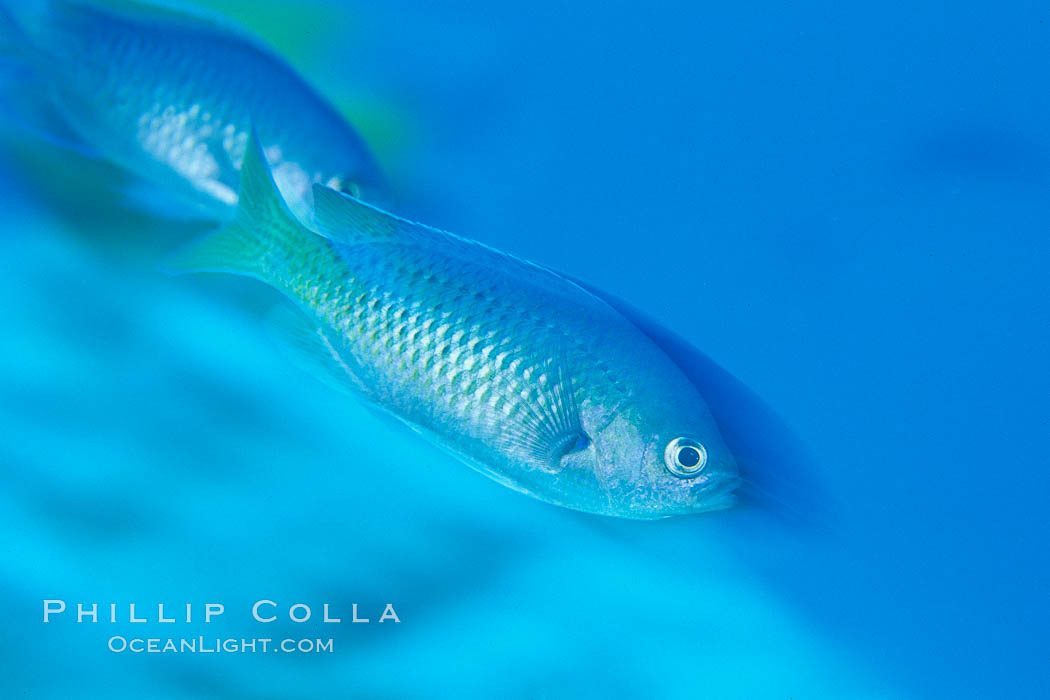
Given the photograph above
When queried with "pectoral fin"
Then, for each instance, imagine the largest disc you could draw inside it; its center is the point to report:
(549, 427)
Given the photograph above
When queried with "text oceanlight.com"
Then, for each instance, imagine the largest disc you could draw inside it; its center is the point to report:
(203, 645)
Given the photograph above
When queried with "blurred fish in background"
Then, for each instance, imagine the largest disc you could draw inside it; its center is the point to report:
(171, 96)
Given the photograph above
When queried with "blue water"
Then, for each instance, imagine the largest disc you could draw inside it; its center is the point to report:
(847, 207)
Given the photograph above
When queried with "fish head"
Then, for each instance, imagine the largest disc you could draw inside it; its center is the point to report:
(656, 458)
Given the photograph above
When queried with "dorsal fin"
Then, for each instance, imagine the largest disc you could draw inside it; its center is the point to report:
(340, 217)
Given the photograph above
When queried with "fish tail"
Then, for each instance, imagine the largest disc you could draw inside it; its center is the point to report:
(263, 234)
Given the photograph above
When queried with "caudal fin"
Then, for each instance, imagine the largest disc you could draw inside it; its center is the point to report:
(262, 234)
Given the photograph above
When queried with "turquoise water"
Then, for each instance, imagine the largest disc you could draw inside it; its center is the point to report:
(863, 193)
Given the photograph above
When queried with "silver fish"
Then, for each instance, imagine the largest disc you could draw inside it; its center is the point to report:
(515, 369)
(167, 95)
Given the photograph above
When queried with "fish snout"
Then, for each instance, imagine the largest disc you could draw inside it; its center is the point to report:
(717, 491)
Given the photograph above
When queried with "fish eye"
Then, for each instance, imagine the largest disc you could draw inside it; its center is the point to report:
(684, 457)
(346, 187)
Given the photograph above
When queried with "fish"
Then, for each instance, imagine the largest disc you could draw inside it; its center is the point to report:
(516, 370)
(167, 95)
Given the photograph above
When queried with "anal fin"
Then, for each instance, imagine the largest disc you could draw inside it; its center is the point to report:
(312, 349)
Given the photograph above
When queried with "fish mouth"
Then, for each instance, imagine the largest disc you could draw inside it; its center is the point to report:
(717, 493)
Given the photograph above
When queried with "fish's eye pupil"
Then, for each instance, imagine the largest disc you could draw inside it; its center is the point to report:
(685, 457)
(688, 457)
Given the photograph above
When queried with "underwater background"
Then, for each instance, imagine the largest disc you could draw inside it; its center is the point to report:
(846, 207)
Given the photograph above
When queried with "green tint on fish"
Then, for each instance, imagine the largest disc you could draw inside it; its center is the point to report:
(515, 369)
(167, 95)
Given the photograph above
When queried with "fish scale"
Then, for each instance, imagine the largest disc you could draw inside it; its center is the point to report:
(513, 368)
(466, 335)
